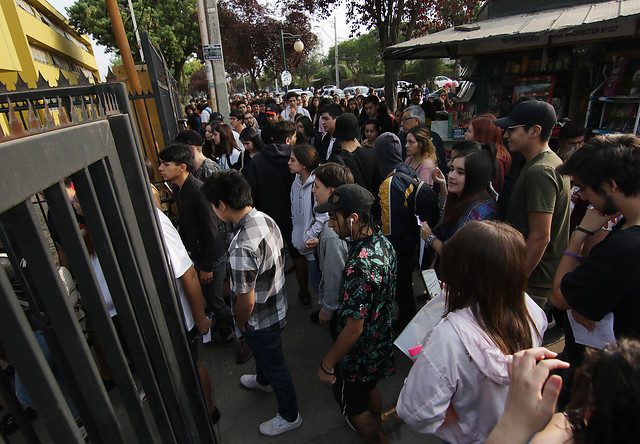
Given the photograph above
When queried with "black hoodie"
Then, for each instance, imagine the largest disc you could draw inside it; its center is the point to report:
(270, 179)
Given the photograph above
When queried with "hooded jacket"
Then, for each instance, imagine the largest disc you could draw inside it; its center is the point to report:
(270, 179)
(460, 365)
(307, 224)
(388, 151)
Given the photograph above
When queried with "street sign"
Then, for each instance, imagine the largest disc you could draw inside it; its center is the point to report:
(212, 52)
(286, 78)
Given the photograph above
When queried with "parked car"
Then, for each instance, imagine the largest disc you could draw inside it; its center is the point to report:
(352, 90)
(440, 81)
(404, 86)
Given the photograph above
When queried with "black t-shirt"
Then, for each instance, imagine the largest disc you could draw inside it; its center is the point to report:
(609, 281)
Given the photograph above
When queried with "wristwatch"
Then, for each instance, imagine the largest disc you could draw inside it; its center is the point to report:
(430, 239)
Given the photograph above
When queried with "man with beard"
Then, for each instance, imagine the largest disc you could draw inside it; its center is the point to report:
(607, 171)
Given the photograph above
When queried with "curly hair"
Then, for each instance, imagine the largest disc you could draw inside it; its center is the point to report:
(606, 392)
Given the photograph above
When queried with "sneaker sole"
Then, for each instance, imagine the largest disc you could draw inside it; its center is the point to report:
(293, 426)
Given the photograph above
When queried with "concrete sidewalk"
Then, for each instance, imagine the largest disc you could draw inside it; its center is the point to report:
(305, 344)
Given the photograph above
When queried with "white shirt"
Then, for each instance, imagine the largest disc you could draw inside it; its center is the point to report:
(300, 110)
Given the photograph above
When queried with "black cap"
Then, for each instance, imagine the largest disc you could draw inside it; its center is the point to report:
(216, 117)
(272, 108)
(529, 113)
(347, 127)
(350, 197)
(189, 137)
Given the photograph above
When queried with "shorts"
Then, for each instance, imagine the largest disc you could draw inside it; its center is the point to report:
(353, 397)
(193, 339)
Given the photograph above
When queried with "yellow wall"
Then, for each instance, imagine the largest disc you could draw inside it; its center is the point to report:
(23, 29)
(9, 60)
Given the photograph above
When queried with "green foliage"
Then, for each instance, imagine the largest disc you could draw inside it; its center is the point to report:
(171, 25)
(437, 15)
(359, 57)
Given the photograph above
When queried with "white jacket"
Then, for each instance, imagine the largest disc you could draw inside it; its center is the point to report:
(307, 224)
(460, 365)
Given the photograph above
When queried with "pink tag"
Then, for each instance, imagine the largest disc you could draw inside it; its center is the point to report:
(414, 352)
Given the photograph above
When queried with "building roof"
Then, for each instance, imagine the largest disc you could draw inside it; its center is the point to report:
(578, 23)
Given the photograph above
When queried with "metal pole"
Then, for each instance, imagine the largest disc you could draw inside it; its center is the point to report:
(204, 36)
(130, 68)
(335, 33)
(219, 76)
(135, 29)
(284, 59)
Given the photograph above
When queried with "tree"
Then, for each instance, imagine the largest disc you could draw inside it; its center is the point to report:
(394, 21)
(437, 15)
(360, 56)
(251, 39)
(171, 25)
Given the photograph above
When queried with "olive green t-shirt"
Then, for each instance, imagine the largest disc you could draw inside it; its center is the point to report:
(540, 189)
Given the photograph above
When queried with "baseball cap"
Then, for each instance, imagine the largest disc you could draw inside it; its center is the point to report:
(189, 137)
(350, 196)
(216, 117)
(347, 127)
(529, 113)
(271, 108)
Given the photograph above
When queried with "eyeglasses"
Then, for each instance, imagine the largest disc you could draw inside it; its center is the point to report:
(404, 119)
(511, 128)
(578, 189)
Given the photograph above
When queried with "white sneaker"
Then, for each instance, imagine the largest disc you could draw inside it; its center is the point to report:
(278, 425)
(251, 382)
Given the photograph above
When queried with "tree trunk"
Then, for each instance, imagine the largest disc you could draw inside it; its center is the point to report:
(177, 72)
(391, 70)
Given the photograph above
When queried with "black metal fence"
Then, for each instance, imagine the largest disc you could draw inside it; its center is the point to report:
(87, 134)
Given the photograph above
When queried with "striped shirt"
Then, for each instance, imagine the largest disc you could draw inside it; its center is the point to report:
(256, 262)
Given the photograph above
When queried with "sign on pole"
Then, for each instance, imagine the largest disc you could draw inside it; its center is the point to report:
(286, 78)
(212, 52)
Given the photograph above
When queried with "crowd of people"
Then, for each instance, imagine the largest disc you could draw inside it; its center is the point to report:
(521, 237)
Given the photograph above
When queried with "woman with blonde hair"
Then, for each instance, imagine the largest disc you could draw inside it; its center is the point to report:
(457, 389)
(421, 154)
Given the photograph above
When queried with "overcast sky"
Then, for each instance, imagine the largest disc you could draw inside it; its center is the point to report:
(323, 29)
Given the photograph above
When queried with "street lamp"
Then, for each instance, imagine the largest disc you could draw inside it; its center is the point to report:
(298, 46)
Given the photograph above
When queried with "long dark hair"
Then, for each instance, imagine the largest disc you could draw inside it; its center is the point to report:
(606, 390)
(309, 131)
(227, 141)
(355, 111)
(484, 266)
(251, 135)
(479, 170)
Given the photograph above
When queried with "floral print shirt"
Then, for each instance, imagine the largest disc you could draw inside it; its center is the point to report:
(367, 290)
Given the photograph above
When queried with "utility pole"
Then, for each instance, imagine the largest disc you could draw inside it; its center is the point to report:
(204, 36)
(335, 33)
(220, 80)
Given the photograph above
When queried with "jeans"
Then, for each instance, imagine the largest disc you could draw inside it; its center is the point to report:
(21, 391)
(213, 299)
(271, 368)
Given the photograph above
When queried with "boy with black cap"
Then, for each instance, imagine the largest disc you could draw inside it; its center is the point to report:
(360, 161)
(539, 206)
(363, 351)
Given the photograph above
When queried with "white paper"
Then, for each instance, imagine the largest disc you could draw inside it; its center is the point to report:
(431, 281)
(599, 337)
(207, 338)
(427, 318)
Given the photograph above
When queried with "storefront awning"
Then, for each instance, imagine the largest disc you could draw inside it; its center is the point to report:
(568, 25)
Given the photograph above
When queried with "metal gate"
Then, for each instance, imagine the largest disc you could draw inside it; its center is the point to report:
(165, 89)
(86, 133)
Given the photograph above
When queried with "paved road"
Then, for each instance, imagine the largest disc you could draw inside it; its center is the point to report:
(305, 344)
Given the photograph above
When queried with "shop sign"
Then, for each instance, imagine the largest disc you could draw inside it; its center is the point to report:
(507, 43)
(597, 31)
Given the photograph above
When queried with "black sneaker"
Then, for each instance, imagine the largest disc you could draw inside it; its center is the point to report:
(315, 317)
(305, 299)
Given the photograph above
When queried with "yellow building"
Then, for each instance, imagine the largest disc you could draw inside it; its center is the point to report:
(36, 39)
